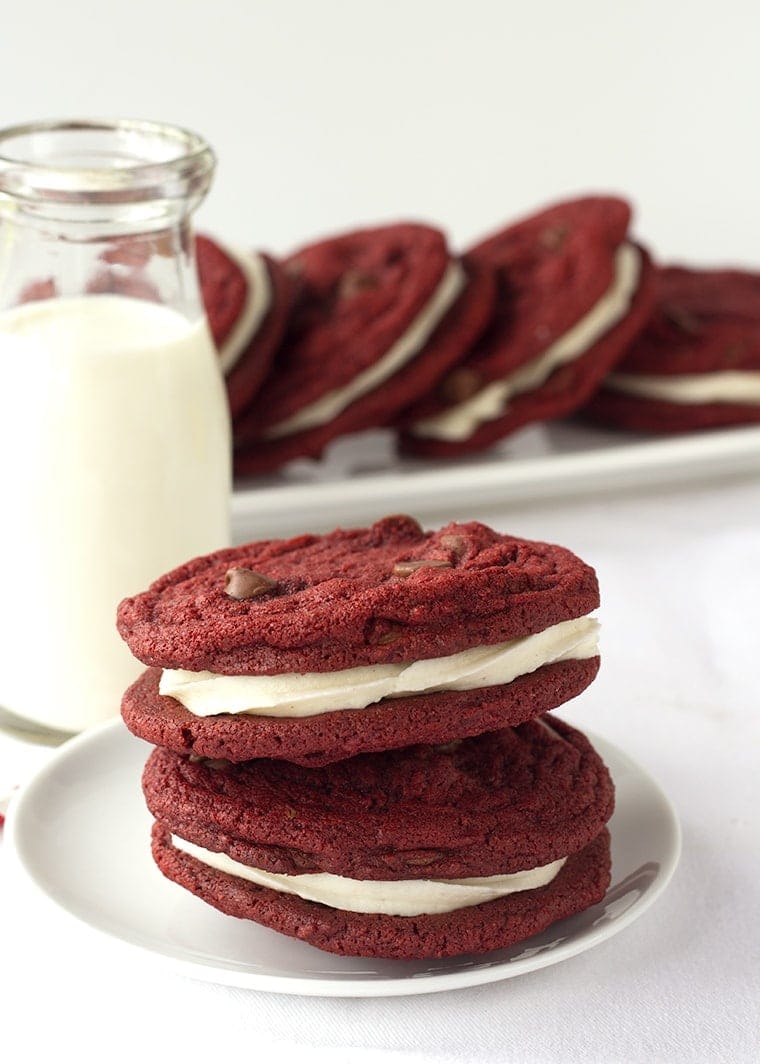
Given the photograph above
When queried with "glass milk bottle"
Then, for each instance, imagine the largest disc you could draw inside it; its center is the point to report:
(114, 429)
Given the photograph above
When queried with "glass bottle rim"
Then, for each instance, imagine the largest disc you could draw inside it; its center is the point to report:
(156, 160)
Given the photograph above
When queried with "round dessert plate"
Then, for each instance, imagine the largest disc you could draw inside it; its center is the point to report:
(108, 880)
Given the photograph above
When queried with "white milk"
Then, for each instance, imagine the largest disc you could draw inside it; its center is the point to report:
(115, 444)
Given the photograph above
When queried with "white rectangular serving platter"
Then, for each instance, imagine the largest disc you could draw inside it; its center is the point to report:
(361, 477)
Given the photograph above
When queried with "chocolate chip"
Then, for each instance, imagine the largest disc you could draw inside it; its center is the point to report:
(354, 281)
(240, 583)
(460, 385)
(449, 748)
(293, 268)
(419, 860)
(409, 567)
(554, 236)
(219, 764)
(380, 632)
(401, 859)
(456, 544)
(391, 636)
(683, 319)
(401, 522)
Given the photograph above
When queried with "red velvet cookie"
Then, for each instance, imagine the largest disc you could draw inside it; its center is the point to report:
(388, 595)
(500, 804)
(703, 340)
(247, 299)
(379, 315)
(572, 293)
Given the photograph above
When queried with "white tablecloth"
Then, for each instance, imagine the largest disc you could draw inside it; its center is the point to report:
(679, 690)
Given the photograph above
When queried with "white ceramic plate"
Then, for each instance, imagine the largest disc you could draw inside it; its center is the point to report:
(79, 834)
(361, 477)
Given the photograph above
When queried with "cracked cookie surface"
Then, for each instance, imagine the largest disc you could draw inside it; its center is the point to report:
(338, 600)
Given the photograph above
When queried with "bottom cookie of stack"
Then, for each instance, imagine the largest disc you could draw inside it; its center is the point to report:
(426, 851)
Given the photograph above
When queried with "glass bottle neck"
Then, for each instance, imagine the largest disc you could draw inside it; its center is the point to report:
(88, 208)
(158, 265)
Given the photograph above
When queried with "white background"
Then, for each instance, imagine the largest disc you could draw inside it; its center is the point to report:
(326, 114)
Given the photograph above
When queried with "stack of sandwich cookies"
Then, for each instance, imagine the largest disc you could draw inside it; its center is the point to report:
(572, 292)
(378, 315)
(352, 748)
(697, 363)
(247, 299)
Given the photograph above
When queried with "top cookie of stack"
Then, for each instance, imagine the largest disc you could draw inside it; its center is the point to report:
(322, 647)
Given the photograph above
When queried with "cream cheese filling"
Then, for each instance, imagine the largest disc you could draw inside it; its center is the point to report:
(725, 386)
(255, 310)
(402, 351)
(308, 694)
(403, 897)
(461, 421)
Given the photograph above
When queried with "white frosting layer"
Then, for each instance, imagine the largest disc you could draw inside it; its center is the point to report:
(403, 897)
(725, 386)
(254, 311)
(402, 351)
(460, 422)
(307, 694)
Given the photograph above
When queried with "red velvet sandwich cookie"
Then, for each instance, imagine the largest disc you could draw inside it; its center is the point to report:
(427, 851)
(247, 299)
(697, 363)
(572, 293)
(321, 647)
(380, 314)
